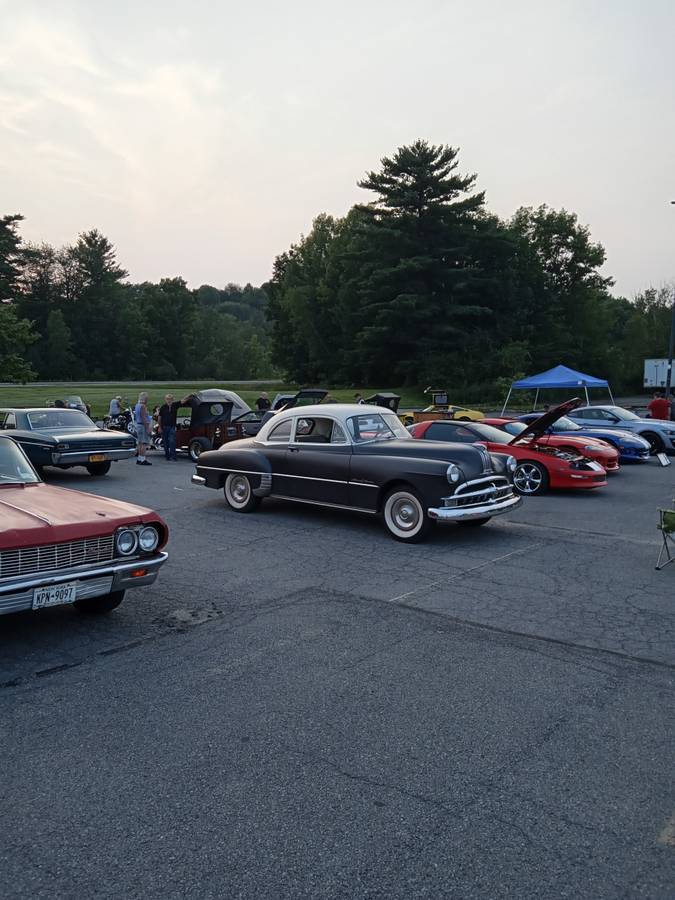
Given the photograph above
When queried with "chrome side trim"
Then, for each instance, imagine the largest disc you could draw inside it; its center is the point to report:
(370, 512)
(284, 475)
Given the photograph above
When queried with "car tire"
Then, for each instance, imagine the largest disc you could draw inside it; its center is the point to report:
(98, 469)
(239, 493)
(463, 419)
(131, 428)
(404, 515)
(475, 523)
(197, 447)
(655, 443)
(530, 478)
(98, 606)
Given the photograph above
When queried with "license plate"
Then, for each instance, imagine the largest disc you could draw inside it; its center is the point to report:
(54, 596)
(97, 457)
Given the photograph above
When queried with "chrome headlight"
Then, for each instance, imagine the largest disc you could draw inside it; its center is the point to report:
(453, 473)
(148, 539)
(511, 464)
(126, 542)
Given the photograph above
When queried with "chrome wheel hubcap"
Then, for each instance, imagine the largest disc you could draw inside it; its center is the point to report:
(404, 514)
(527, 479)
(239, 490)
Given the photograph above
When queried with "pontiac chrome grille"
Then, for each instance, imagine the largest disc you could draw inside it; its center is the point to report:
(480, 491)
(52, 557)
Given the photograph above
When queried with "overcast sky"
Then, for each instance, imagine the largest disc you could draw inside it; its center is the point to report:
(203, 137)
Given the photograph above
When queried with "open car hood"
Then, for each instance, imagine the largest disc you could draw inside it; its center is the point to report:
(541, 425)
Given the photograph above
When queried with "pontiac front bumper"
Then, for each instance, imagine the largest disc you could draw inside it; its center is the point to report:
(82, 457)
(468, 513)
(91, 580)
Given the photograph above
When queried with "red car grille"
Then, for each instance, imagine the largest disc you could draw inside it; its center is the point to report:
(52, 557)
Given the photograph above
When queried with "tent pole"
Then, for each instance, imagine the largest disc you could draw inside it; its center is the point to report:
(536, 397)
(610, 394)
(588, 402)
(507, 400)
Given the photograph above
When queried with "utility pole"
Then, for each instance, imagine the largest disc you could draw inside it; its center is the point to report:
(669, 371)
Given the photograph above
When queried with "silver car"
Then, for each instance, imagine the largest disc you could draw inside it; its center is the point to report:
(659, 433)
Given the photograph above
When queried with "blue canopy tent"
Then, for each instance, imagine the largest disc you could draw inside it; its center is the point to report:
(557, 377)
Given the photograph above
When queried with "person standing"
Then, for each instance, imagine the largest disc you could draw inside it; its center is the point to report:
(166, 421)
(115, 407)
(659, 407)
(263, 402)
(143, 425)
(358, 399)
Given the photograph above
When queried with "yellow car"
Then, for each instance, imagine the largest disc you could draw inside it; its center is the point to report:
(440, 409)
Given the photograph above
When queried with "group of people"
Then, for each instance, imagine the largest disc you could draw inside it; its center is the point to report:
(165, 418)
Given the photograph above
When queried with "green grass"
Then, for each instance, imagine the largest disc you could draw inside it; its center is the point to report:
(99, 395)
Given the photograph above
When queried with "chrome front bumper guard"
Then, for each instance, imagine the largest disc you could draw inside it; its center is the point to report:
(467, 513)
(81, 458)
(98, 579)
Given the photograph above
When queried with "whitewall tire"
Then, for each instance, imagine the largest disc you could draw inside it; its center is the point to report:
(404, 516)
(239, 493)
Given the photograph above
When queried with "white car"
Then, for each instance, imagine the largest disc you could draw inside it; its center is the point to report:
(659, 433)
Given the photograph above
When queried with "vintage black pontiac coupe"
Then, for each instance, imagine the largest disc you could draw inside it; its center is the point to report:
(355, 457)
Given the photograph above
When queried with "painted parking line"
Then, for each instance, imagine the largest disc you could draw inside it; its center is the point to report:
(483, 565)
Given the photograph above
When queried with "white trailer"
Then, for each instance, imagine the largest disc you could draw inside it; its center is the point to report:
(656, 372)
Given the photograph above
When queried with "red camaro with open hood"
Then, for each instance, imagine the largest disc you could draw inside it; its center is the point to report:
(61, 546)
(540, 465)
(591, 448)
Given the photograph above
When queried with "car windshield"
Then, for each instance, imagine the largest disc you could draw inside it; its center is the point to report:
(14, 467)
(514, 428)
(490, 433)
(376, 427)
(565, 424)
(51, 419)
(622, 413)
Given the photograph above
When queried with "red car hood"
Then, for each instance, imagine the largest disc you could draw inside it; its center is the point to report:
(36, 514)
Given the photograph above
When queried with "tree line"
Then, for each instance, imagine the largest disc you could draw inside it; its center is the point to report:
(422, 284)
(419, 284)
(69, 314)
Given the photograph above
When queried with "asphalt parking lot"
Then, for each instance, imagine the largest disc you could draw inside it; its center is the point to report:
(302, 707)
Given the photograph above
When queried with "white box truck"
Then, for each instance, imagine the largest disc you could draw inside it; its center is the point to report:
(656, 372)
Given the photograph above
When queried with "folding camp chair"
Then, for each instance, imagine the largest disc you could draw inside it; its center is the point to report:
(667, 527)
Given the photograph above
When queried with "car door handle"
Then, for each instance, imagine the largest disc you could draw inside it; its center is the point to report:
(294, 449)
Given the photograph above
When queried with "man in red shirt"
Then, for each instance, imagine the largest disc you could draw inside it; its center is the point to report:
(659, 407)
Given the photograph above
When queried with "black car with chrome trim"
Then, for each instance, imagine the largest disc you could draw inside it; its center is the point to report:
(353, 457)
(65, 438)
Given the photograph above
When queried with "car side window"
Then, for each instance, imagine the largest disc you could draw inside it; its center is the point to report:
(586, 414)
(10, 421)
(314, 430)
(437, 431)
(281, 434)
(338, 436)
(606, 416)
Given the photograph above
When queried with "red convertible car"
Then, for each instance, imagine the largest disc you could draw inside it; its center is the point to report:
(591, 448)
(60, 546)
(539, 465)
